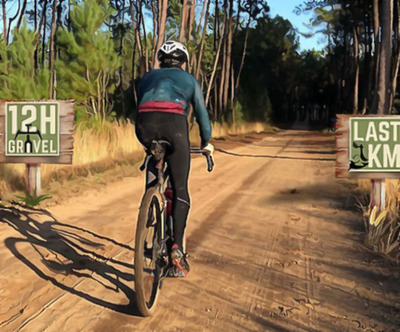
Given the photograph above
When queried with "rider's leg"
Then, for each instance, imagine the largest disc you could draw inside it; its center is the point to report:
(146, 132)
(174, 129)
(179, 164)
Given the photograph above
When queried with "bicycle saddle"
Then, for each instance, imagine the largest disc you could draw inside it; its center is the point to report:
(159, 148)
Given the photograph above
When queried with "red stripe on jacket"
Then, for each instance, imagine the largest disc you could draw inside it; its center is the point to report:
(161, 106)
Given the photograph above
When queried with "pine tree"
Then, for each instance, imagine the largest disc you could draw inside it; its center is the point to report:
(17, 71)
(88, 61)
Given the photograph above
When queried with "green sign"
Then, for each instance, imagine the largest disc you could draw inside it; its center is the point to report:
(374, 144)
(32, 129)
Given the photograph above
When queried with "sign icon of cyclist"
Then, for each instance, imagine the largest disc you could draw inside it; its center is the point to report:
(358, 160)
(28, 142)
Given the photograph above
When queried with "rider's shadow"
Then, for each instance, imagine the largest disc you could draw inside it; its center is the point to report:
(63, 250)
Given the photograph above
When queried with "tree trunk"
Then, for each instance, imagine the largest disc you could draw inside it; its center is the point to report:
(35, 14)
(216, 25)
(3, 6)
(133, 58)
(44, 36)
(396, 56)
(136, 22)
(215, 100)
(222, 75)
(385, 57)
(191, 20)
(155, 19)
(204, 77)
(374, 101)
(203, 39)
(238, 15)
(203, 10)
(161, 27)
(367, 65)
(193, 62)
(69, 16)
(224, 55)
(21, 16)
(192, 17)
(214, 70)
(243, 54)
(228, 58)
(146, 53)
(39, 28)
(12, 19)
(58, 26)
(357, 72)
(51, 55)
(184, 19)
(121, 45)
(233, 94)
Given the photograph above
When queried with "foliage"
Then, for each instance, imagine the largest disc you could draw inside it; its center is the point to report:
(18, 78)
(31, 199)
(88, 60)
(100, 57)
(272, 57)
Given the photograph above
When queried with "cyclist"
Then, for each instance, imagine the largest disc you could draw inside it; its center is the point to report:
(163, 98)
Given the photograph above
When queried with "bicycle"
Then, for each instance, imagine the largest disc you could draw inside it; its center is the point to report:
(154, 232)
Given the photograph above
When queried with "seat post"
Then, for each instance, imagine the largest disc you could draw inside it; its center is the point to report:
(158, 150)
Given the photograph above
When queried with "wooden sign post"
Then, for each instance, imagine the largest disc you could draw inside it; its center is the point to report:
(367, 148)
(36, 132)
(33, 179)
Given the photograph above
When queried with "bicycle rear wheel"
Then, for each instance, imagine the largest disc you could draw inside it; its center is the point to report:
(149, 261)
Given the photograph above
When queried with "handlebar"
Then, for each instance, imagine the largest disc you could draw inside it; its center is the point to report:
(206, 153)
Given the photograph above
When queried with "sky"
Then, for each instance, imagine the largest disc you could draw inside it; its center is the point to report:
(286, 9)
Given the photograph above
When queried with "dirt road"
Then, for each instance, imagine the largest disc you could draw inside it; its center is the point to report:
(275, 245)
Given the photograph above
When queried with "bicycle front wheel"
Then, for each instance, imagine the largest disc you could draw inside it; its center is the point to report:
(149, 262)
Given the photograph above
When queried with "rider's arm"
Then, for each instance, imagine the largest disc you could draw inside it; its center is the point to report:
(201, 114)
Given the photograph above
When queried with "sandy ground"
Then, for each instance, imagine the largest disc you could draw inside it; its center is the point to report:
(275, 244)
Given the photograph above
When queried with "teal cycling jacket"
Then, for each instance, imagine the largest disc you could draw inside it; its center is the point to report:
(171, 90)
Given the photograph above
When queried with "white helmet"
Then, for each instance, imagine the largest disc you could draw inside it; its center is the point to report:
(173, 53)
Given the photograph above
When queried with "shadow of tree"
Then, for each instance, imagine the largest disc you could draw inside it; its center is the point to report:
(73, 254)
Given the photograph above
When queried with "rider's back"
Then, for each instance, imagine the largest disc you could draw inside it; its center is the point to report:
(167, 85)
(171, 90)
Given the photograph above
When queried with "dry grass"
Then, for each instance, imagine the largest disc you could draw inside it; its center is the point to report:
(383, 229)
(392, 194)
(98, 150)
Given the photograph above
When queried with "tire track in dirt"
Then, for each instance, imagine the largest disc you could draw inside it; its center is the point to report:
(211, 220)
(198, 236)
(110, 254)
(266, 248)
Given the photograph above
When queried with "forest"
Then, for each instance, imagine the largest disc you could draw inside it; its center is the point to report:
(249, 63)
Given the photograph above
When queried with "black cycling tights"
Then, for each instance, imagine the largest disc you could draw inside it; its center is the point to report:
(174, 129)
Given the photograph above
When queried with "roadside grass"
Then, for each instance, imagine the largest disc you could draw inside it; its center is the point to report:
(101, 154)
(383, 230)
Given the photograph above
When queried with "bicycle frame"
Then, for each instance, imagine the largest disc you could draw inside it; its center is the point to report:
(161, 185)
(158, 151)
(153, 215)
